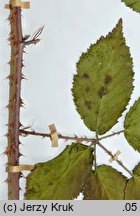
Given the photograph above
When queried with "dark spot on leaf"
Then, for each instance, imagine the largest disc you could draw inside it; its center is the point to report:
(101, 92)
(51, 183)
(108, 79)
(88, 104)
(97, 112)
(85, 76)
(87, 89)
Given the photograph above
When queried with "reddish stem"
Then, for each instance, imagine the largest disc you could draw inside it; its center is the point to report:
(60, 136)
(15, 102)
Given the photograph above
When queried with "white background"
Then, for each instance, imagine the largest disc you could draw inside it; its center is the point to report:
(70, 27)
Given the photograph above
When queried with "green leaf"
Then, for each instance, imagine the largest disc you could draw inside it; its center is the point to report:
(133, 189)
(137, 169)
(134, 4)
(105, 183)
(133, 186)
(103, 83)
(62, 178)
(132, 126)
